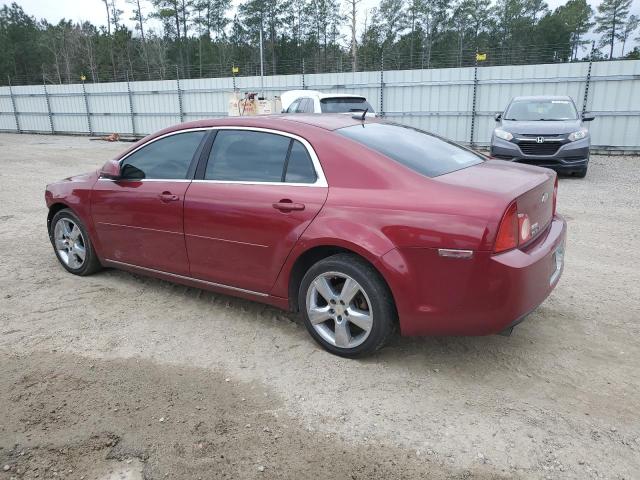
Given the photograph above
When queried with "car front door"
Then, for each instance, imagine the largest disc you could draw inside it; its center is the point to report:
(253, 196)
(139, 218)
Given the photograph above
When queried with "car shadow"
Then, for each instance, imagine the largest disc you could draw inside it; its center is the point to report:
(473, 355)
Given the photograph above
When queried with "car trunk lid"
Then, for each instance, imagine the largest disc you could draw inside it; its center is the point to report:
(531, 187)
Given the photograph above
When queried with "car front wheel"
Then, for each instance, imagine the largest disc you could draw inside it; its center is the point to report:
(347, 307)
(72, 245)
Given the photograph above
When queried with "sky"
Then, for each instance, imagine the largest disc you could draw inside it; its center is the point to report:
(94, 10)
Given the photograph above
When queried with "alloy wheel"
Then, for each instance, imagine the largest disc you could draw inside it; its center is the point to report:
(339, 309)
(70, 243)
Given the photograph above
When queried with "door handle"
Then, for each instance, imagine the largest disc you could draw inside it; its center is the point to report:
(287, 205)
(168, 197)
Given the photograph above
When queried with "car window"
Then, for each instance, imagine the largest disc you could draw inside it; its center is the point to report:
(300, 167)
(167, 158)
(421, 151)
(306, 106)
(294, 105)
(241, 155)
(345, 104)
(541, 109)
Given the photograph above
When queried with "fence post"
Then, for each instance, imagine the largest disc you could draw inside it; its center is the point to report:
(382, 84)
(473, 102)
(180, 111)
(86, 107)
(13, 105)
(46, 97)
(588, 80)
(131, 114)
(304, 87)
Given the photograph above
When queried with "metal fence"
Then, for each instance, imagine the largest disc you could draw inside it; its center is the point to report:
(458, 103)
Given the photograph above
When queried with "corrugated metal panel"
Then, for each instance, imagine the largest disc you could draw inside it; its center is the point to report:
(438, 100)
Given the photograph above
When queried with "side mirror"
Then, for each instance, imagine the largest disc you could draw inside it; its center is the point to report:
(111, 170)
(587, 117)
(498, 117)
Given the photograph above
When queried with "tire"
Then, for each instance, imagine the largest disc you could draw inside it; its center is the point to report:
(358, 317)
(580, 173)
(70, 239)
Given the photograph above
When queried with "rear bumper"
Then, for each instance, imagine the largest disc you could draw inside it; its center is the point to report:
(479, 296)
(570, 157)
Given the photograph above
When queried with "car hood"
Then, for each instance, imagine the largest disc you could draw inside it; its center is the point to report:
(541, 127)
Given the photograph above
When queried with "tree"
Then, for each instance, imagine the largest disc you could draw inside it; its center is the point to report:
(392, 20)
(201, 33)
(140, 18)
(553, 39)
(612, 15)
(352, 17)
(576, 15)
(415, 9)
(629, 27)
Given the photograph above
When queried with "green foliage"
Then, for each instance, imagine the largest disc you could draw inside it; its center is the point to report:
(611, 18)
(203, 38)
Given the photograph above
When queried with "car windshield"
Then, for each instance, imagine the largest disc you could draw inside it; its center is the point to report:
(422, 152)
(345, 104)
(541, 110)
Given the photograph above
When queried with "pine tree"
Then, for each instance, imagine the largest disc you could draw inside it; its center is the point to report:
(576, 14)
(630, 26)
(612, 15)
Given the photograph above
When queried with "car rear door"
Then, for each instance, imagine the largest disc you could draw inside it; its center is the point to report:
(139, 218)
(254, 194)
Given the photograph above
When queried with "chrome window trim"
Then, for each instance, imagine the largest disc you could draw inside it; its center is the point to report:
(321, 180)
(153, 140)
(169, 134)
(175, 180)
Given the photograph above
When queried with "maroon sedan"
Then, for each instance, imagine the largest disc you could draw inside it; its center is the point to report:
(359, 225)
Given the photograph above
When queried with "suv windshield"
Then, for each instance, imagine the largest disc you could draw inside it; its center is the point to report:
(540, 110)
(422, 152)
(345, 104)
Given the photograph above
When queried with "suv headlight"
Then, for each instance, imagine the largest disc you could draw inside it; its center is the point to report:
(503, 134)
(579, 135)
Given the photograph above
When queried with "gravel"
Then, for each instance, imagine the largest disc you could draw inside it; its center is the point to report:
(557, 399)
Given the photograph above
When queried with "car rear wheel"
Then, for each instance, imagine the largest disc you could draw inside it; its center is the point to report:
(72, 244)
(347, 307)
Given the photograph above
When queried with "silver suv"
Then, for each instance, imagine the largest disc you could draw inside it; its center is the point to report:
(546, 131)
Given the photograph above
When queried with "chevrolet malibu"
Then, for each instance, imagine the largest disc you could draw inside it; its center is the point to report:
(362, 226)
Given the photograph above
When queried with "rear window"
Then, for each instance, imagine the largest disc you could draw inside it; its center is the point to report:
(420, 151)
(345, 104)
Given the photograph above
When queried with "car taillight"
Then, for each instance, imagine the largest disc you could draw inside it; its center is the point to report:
(555, 195)
(524, 227)
(508, 231)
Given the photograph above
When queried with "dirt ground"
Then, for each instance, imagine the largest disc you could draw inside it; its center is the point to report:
(117, 376)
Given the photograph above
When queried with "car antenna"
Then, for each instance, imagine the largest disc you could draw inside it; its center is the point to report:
(357, 116)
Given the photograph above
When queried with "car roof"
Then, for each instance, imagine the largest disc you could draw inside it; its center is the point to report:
(296, 123)
(314, 93)
(290, 96)
(327, 121)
